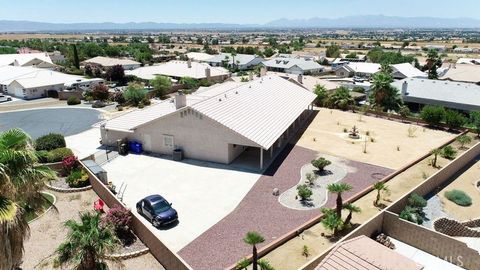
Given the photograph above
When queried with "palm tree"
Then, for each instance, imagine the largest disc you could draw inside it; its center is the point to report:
(341, 99)
(254, 238)
(339, 188)
(435, 152)
(379, 187)
(87, 242)
(351, 209)
(233, 54)
(331, 220)
(21, 180)
(384, 95)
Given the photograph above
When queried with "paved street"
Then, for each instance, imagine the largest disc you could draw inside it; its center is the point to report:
(38, 122)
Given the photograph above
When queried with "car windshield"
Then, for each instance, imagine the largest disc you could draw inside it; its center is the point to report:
(160, 207)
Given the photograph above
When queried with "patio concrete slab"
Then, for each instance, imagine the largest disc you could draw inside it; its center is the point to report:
(202, 192)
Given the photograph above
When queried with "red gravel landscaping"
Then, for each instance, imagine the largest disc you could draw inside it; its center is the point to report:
(222, 244)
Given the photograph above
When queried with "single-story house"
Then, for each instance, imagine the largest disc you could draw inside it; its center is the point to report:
(308, 82)
(407, 70)
(358, 69)
(462, 73)
(198, 56)
(364, 253)
(293, 65)
(108, 62)
(470, 61)
(241, 61)
(453, 95)
(37, 60)
(31, 83)
(178, 69)
(217, 123)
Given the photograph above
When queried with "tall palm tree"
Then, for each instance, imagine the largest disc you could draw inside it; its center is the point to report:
(233, 59)
(21, 180)
(384, 95)
(351, 209)
(339, 188)
(254, 238)
(87, 242)
(379, 187)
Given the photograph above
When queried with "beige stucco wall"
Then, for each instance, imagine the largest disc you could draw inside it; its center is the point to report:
(199, 136)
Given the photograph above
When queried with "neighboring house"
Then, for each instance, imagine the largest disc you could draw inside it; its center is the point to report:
(462, 73)
(453, 95)
(37, 60)
(440, 48)
(358, 69)
(364, 253)
(308, 82)
(241, 61)
(107, 62)
(407, 70)
(31, 83)
(218, 123)
(179, 69)
(57, 57)
(293, 65)
(470, 61)
(199, 56)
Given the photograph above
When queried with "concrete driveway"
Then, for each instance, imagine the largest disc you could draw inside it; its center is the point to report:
(38, 122)
(203, 193)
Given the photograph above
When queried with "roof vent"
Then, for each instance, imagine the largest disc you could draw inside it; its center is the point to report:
(236, 92)
(219, 99)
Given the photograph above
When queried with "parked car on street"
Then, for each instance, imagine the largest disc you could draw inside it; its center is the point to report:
(157, 210)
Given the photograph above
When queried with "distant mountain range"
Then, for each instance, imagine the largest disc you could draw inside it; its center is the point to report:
(367, 21)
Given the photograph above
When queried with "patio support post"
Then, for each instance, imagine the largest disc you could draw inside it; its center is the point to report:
(261, 158)
(271, 150)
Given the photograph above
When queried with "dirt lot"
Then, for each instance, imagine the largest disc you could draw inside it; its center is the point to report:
(464, 182)
(392, 146)
(289, 255)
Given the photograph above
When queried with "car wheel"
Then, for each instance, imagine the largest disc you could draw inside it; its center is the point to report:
(139, 210)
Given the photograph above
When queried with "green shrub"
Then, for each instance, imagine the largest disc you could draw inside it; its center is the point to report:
(433, 115)
(321, 163)
(73, 101)
(78, 178)
(413, 211)
(57, 155)
(49, 142)
(134, 94)
(304, 192)
(448, 152)
(454, 119)
(146, 101)
(459, 197)
(463, 140)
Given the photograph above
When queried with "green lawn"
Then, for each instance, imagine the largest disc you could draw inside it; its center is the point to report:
(31, 215)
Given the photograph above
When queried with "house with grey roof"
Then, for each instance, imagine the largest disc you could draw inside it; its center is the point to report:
(218, 123)
(453, 95)
(240, 61)
(293, 65)
(407, 70)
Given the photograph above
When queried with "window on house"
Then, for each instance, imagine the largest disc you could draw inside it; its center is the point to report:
(168, 141)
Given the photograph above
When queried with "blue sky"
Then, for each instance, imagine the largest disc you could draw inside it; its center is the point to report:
(238, 11)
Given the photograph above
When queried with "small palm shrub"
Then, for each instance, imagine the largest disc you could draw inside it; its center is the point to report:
(413, 211)
(73, 101)
(459, 197)
(463, 140)
(321, 163)
(448, 152)
(49, 142)
(304, 192)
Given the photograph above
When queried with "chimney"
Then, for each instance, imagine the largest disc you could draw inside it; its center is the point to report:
(250, 77)
(180, 100)
(207, 73)
(404, 88)
(300, 78)
(189, 63)
(263, 71)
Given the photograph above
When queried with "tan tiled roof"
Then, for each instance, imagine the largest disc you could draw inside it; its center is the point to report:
(363, 253)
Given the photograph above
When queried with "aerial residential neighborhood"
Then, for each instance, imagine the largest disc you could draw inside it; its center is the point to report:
(254, 135)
